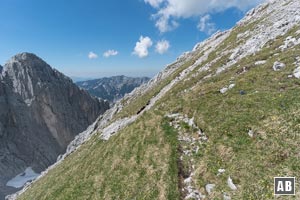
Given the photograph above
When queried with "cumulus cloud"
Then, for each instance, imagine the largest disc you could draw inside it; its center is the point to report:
(154, 3)
(162, 46)
(92, 55)
(109, 53)
(168, 11)
(142, 46)
(206, 26)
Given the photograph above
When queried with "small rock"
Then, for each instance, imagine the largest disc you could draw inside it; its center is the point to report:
(196, 150)
(296, 72)
(223, 90)
(242, 92)
(191, 122)
(251, 133)
(188, 180)
(231, 184)
(231, 86)
(226, 197)
(209, 188)
(289, 42)
(278, 66)
(195, 195)
(220, 171)
(174, 115)
(260, 62)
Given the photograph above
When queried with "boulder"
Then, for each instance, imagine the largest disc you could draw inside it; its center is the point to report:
(278, 66)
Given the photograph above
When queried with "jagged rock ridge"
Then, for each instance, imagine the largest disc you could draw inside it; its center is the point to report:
(112, 88)
(41, 111)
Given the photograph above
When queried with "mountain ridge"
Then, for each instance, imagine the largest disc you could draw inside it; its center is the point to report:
(112, 88)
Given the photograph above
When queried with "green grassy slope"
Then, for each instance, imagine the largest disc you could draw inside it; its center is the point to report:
(141, 161)
(136, 164)
(270, 108)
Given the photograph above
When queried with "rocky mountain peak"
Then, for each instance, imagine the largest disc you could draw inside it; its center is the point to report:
(25, 56)
(25, 61)
(28, 75)
(41, 111)
(31, 63)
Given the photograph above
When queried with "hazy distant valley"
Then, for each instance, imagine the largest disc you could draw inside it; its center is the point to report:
(112, 88)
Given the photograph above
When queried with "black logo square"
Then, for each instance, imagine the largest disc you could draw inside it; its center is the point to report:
(284, 185)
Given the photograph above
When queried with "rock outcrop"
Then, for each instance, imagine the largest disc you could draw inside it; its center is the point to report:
(41, 111)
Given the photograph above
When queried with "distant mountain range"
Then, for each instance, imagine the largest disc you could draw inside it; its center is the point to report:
(112, 88)
(78, 79)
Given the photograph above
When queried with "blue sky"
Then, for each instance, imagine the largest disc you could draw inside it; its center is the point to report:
(139, 36)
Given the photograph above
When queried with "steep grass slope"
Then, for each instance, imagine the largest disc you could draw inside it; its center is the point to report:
(219, 123)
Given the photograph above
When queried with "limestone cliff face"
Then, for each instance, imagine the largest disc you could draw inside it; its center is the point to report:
(41, 111)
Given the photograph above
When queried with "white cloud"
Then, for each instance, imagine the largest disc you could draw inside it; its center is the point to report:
(168, 11)
(162, 46)
(92, 55)
(154, 3)
(109, 53)
(141, 47)
(164, 25)
(206, 26)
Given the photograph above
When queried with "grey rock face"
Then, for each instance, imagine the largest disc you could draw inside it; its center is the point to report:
(41, 111)
(113, 88)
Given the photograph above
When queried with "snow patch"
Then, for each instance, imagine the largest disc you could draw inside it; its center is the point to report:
(21, 179)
